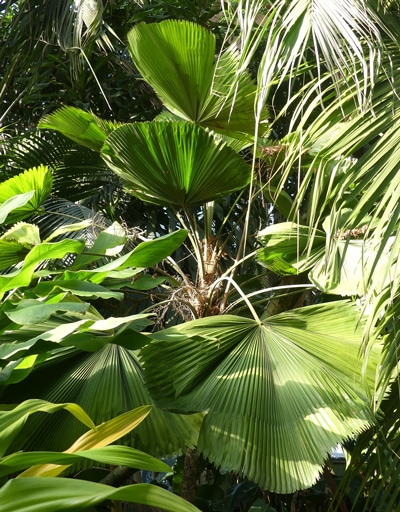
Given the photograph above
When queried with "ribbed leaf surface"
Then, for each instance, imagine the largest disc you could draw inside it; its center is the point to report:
(279, 395)
(38, 179)
(178, 59)
(174, 163)
(80, 126)
(106, 383)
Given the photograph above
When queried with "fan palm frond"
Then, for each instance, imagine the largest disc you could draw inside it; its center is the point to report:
(174, 163)
(107, 382)
(279, 394)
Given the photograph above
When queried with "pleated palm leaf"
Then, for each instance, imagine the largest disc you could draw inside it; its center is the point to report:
(177, 58)
(107, 382)
(175, 164)
(373, 461)
(279, 394)
(78, 173)
(37, 182)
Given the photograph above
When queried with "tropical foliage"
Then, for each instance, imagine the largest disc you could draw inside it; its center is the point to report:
(260, 308)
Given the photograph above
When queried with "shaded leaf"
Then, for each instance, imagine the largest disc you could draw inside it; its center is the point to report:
(13, 420)
(31, 311)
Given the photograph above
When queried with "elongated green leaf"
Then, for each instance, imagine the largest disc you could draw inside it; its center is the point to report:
(31, 311)
(115, 455)
(38, 179)
(151, 252)
(64, 494)
(16, 201)
(100, 436)
(107, 243)
(174, 164)
(16, 371)
(78, 288)
(40, 253)
(13, 420)
(279, 394)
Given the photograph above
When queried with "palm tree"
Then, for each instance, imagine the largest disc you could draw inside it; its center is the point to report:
(278, 397)
(266, 372)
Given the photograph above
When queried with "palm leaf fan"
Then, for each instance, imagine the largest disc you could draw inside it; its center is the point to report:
(176, 164)
(178, 60)
(279, 394)
(80, 126)
(70, 220)
(78, 172)
(38, 179)
(105, 383)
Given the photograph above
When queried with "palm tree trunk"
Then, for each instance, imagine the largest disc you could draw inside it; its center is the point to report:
(189, 479)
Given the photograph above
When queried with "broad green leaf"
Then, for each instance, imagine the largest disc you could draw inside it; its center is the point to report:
(148, 282)
(40, 253)
(279, 394)
(13, 420)
(109, 242)
(80, 126)
(14, 202)
(77, 287)
(66, 494)
(23, 233)
(174, 164)
(17, 371)
(100, 436)
(89, 333)
(38, 179)
(148, 253)
(289, 248)
(31, 311)
(115, 455)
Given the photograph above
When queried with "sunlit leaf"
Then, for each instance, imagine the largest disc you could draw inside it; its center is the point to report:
(80, 126)
(38, 179)
(174, 164)
(279, 394)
